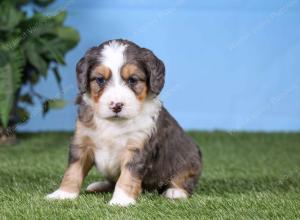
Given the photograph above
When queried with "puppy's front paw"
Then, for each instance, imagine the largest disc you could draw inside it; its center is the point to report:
(120, 198)
(61, 195)
(122, 202)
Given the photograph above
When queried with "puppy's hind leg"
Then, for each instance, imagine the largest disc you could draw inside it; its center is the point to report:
(101, 187)
(182, 185)
(175, 193)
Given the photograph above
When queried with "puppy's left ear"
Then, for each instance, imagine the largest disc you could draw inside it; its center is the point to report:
(156, 71)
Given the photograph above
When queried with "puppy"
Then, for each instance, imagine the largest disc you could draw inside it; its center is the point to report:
(123, 129)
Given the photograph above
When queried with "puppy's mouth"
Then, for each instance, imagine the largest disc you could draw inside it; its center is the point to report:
(117, 117)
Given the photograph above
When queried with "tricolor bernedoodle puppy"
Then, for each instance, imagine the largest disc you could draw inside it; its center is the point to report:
(123, 129)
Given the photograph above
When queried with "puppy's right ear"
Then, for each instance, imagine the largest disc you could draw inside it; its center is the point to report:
(82, 75)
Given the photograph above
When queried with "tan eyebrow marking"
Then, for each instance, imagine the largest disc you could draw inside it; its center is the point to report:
(140, 88)
(101, 69)
(132, 69)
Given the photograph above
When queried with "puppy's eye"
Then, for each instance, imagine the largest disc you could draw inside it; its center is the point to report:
(132, 80)
(100, 80)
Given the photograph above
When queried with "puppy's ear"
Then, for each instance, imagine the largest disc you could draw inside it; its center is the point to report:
(156, 71)
(82, 68)
(82, 74)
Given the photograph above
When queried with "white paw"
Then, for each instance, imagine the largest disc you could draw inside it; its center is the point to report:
(99, 186)
(120, 198)
(61, 195)
(175, 193)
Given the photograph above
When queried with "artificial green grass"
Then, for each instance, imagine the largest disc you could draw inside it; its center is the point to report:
(246, 176)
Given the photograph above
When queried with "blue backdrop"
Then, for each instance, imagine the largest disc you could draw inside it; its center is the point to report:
(231, 65)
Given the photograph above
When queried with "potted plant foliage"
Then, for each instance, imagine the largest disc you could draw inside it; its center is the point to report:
(32, 45)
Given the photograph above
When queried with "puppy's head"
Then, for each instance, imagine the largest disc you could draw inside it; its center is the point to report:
(118, 77)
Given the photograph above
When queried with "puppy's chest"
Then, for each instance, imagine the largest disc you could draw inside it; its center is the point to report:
(108, 154)
(111, 142)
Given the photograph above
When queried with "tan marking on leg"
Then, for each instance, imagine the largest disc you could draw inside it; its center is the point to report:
(180, 180)
(128, 181)
(78, 169)
(130, 184)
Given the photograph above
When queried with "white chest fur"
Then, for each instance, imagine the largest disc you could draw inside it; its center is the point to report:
(108, 155)
(111, 137)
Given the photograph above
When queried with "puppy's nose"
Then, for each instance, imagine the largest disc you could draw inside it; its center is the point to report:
(117, 107)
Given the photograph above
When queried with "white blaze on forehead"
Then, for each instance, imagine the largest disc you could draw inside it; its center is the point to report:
(116, 90)
(113, 57)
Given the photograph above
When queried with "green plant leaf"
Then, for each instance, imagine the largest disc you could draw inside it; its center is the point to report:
(69, 35)
(22, 114)
(56, 54)
(26, 98)
(53, 104)
(9, 16)
(11, 44)
(60, 17)
(38, 25)
(35, 58)
(57, 78)
(56, 74)
(57, 103)
(10, 77)
(43, 3)
(4, 59)
(31, 43)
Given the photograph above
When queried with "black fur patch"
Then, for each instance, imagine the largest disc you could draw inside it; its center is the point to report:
(168, 153)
